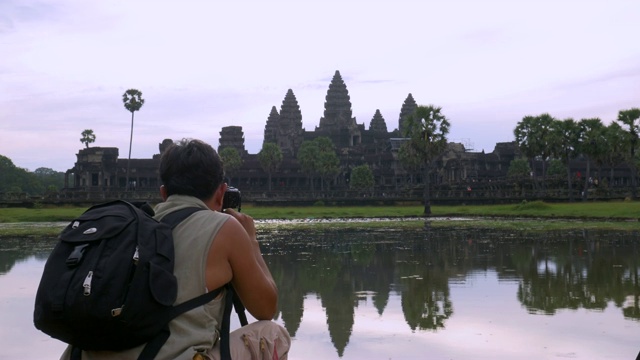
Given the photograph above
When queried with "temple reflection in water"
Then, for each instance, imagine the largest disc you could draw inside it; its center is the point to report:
(554, 272)
(415, 273)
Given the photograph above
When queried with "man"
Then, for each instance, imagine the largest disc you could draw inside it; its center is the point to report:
(212, 248)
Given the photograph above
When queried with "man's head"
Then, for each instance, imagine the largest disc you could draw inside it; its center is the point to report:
(191, 167)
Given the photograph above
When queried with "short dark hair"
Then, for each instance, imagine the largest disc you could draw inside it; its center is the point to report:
(191, 167)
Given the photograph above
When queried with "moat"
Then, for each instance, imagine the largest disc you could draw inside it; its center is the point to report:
(454, 294)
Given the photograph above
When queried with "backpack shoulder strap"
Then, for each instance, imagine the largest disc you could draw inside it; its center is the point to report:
(174, 218)
(153, 347)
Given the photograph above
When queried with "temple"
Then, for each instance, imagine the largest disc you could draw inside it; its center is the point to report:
(356, 145)
(99, 172)
(285, 128)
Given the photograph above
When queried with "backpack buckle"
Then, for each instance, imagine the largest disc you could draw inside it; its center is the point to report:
(76, 255)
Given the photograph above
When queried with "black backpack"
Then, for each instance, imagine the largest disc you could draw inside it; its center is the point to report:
(109, 284)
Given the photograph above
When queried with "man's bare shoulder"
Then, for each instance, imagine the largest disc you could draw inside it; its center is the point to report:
(231, 231)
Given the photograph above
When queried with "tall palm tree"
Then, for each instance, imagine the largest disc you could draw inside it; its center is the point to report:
(426, 130)
(307, 156)
(533, 135)
(270, 158)
(564, 140)
(409, 160)
(231, 160)
(328, 164)
(590, 141)
(615, 148)
(133, 101)
(88, 137)
(630, 118)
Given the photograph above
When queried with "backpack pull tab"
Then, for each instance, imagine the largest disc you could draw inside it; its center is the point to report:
(76, 255)
(87, 284)
(136, 256)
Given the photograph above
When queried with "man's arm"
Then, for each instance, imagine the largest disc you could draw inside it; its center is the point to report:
(237, 246)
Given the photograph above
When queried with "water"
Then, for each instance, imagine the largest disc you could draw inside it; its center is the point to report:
(431, 293)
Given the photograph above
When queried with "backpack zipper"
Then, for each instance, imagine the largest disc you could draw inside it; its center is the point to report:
(136, 256)
(87, 284)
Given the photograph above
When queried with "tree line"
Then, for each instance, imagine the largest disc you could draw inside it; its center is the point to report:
(15, 180)
(541, 138)
(554, 141)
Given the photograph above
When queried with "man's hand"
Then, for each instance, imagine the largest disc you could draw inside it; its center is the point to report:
(245, 220)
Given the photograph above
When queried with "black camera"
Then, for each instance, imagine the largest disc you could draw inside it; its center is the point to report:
(232, 199)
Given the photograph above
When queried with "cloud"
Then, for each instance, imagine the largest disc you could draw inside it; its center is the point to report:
(14, 14)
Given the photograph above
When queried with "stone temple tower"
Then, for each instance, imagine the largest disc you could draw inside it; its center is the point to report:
(408, 108)
(285, 129)
(377, 124)
(337, 122)
(232, 136)
(271, 128)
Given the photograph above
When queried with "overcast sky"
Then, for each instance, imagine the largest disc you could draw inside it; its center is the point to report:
(203, 65)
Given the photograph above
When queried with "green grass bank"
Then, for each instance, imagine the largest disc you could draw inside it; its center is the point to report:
(536, 215)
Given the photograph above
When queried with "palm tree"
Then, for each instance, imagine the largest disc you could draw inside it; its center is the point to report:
(630, 118)
(427, 130)
(533, 136)
(519, 170)
(270, 158)
(328, 167)
(308, 155)
(88, 137)
(409, 160)
(615, 148)
(362, 178)
(133, 101)
(590, 140)
(328, 164)
(231, 160)
(564, 134)
(318, 157)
